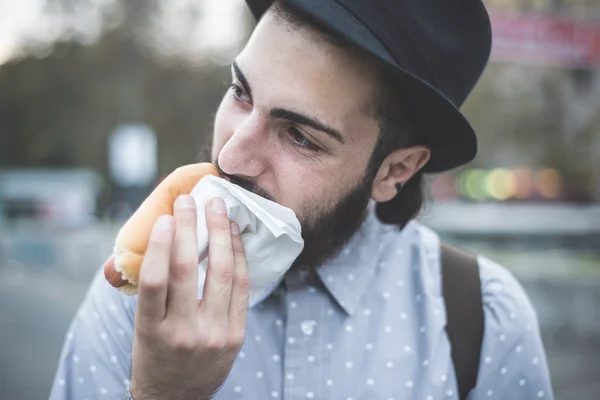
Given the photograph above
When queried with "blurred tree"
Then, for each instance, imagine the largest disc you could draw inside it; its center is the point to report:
(73, 101)
(58, 111)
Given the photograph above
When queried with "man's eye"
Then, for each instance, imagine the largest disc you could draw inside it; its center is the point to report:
(300, 141)
(238, 93)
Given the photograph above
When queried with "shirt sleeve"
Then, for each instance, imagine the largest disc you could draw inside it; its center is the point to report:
(513, 361)
(96, 356)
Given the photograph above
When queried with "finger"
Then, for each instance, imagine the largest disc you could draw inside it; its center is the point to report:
(238, 307)
(183, 273)
(219, 272)
(154, 272)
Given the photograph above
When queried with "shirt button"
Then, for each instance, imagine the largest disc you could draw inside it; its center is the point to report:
(303, 273)
(308, 327)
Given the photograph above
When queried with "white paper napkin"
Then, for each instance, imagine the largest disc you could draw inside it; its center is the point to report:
(271, 233)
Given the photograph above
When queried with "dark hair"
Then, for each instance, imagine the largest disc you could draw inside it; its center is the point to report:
(398, 125)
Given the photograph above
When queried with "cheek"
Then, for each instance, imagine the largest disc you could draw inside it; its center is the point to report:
(224, 126)
(295, 188)
(311, 195)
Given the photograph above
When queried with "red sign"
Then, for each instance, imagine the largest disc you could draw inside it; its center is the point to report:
(546, 40)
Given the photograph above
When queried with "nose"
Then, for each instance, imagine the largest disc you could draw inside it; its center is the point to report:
(245, 153)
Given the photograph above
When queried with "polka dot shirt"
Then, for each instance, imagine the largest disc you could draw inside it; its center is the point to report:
(367, 325)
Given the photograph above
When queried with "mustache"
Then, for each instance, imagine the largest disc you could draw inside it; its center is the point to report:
(244, 183)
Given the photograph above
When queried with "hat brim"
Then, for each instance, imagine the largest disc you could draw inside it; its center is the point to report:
(448, 134)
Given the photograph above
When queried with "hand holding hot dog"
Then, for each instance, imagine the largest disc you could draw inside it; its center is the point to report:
(122, 269)
(184, 349)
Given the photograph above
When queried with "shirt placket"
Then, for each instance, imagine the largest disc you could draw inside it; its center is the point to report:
(301, 343)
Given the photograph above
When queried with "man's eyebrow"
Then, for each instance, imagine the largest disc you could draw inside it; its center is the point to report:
(240, 77)
(309, 121)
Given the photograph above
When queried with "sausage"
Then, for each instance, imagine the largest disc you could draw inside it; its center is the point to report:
(112, 275)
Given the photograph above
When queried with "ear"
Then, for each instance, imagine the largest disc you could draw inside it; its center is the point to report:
(397, 168)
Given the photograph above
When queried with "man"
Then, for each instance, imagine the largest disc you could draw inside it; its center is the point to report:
(336, 109)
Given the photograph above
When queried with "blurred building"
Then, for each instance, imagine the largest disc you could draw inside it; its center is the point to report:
(63, 197)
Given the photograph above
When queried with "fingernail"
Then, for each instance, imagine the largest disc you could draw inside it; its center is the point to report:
(165, 222)
(218, 205)
(185, 201)
(235, 229)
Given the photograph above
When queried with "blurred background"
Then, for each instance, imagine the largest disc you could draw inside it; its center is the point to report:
(99, 99)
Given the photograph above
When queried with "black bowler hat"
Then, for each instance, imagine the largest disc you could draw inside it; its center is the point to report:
(437, 49)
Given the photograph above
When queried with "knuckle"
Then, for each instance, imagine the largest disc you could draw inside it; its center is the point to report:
(215, 342)
(182, 266)
(238, 248)
(183, 341)
(242, 282)
(224, 273)
(151, 285)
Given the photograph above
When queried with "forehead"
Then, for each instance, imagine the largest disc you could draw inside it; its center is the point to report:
(293, 67)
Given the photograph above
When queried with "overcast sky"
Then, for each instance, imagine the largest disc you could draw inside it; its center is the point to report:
(220, 27)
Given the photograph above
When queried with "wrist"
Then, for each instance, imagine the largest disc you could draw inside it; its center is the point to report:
(129, 395)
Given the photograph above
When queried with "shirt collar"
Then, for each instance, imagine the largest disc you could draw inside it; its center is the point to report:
(348, 274)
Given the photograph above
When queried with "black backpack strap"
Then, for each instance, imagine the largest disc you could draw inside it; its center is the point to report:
(464, 310)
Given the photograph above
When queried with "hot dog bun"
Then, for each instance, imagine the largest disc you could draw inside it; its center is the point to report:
(122, 270)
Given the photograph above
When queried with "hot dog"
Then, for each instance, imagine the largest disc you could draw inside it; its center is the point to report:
(122, 270)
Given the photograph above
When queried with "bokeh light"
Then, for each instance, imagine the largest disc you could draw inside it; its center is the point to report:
(524, 179)
(548, 183)
(501, 184)
(474, 184)
(444, 188)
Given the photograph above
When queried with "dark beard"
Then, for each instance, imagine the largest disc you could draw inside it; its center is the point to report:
(327, 235)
